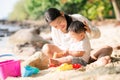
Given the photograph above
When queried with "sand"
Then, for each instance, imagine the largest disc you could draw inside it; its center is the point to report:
(110, 35)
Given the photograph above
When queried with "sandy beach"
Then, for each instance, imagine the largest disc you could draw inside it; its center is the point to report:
(110, 35)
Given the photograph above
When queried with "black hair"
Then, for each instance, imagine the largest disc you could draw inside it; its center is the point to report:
(69, 21)
(51, 14)
(77, 27)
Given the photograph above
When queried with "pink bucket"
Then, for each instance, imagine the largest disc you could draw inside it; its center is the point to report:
(10, 68)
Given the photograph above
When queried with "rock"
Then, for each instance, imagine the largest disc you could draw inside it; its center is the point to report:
(25, 36)
(27, 41)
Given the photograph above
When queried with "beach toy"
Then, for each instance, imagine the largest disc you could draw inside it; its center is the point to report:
(76, 66)
(3, 55)
(9, 68)
(64, 67)
(67, 66)
(29, 71)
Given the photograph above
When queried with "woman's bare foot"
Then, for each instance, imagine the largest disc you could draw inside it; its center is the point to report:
(103, 61)
(54, 62)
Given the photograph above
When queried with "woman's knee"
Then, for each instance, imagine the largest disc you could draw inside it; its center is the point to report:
(46, 48)
(104, 51)
(109, 49)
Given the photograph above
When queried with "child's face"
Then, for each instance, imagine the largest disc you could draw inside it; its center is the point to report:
(77, 36)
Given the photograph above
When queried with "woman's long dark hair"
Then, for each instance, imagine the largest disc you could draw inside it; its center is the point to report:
(69, 21)
(52, 13)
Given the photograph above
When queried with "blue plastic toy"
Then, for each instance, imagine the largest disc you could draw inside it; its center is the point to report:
(29, 71)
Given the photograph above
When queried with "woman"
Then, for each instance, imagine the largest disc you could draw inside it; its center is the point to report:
(60, 23)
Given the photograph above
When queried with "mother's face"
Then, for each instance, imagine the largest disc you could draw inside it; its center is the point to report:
(60, 23)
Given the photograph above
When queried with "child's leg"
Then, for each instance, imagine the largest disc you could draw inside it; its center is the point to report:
(58, 61)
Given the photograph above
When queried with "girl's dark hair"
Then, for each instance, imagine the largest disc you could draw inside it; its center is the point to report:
(77, 27)
(51, 14)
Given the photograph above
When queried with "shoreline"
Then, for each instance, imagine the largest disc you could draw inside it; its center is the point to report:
(42, 23)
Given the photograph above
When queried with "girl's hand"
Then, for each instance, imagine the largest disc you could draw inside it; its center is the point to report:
(60, 54)
(65, 53)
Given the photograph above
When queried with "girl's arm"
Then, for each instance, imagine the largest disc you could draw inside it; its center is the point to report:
(76, 53)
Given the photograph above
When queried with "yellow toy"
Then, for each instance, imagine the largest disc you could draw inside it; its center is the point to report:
(65, 67)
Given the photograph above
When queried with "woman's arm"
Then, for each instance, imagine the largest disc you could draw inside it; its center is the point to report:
(92, 31)
(55, 36)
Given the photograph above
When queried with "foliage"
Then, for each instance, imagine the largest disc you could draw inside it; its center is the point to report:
(19, 12)
(34, 9)
(73, 6)
(98, 9)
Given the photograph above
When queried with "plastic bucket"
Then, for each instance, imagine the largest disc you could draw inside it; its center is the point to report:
(10, 68)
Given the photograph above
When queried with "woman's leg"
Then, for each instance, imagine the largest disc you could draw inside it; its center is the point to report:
(50, 49)
(102, 55)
